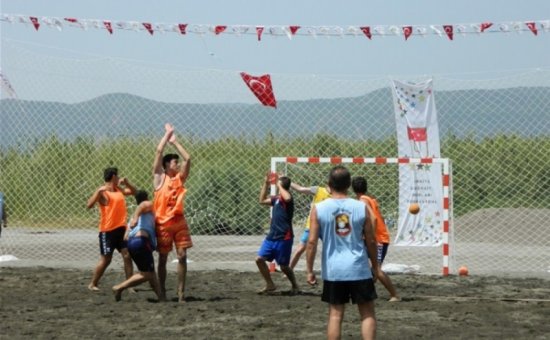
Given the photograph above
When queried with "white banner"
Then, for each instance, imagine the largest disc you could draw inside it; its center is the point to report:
(418, 137)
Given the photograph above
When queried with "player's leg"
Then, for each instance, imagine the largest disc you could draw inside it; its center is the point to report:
(300, 250)
(182, 273)
(283, 252)
(335, 318)
(102, 264)
(384, 278)
(134, 280)
(182, 240)
(265, 253)
(106, 250)
(368, 320)
(163, 258)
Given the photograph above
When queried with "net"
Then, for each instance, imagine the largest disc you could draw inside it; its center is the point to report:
(73, 117)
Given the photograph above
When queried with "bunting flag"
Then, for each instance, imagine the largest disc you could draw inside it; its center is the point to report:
(148, 27)
(449, 31)
(366, 31)
(35, 22)
(287, 30)
(182, 28)
(259, 31)
(407, 31)
(219, 29)
(418, 137)
(532, 27)
(261, 87)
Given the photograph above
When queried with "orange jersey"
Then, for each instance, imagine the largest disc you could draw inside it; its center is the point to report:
(169, 199)
(112, 215)
(381, 232)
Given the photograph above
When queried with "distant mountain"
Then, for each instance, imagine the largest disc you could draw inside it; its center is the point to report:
(524, 111)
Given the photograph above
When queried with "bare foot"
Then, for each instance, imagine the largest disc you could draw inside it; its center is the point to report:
(181, 298)
(118, 293)
(267, 290)
(394, 299)
(93, 288)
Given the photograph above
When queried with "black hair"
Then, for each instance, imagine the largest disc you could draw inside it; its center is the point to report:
(285, 182)
(109, 173)
(359, 185)
(141, 195)
(339, 179)
(168, 158)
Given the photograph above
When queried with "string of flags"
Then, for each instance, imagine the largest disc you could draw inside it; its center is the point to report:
(370, 32)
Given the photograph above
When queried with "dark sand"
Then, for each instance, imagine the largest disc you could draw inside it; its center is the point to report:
(44, 303)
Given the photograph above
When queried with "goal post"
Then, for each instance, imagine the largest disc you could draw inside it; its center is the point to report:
(384, 181)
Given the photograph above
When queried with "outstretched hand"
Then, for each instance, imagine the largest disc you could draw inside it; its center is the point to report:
(169, 132)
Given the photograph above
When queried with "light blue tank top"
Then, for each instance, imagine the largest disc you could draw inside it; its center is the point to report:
(344, 256)
(146, 222)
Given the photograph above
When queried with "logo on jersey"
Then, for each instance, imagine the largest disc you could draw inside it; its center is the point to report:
(343, 227)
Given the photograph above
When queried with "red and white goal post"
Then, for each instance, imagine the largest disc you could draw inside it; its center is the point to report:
(308, 171)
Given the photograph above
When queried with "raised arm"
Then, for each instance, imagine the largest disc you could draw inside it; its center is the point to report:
(285, 195)
(301, 189)
(264, 198)
(97, 196)
(186, 158)
(126, 187)
(158, 170)
(143, 207)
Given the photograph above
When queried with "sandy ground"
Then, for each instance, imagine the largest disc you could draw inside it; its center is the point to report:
(47, 303)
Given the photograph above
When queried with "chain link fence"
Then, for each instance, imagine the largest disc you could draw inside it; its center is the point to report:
(73, 117)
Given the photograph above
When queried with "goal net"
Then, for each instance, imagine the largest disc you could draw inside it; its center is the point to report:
(73, 116)
(382, 175)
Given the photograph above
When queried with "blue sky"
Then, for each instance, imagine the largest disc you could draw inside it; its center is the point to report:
(303, 54)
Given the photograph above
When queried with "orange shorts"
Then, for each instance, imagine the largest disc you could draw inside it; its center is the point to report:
(175, 232)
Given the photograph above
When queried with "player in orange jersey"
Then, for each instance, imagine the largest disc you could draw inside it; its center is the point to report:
(112, 223)
(382, 235)
(169, 178)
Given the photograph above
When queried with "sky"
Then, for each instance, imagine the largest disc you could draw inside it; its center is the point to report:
(303, 54)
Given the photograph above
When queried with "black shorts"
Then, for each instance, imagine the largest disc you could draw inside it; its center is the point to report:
(111, 240)
(340, 292)
(142, 253)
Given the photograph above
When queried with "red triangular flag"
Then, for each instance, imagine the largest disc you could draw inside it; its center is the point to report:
(366, 31)
(259, 30)
(293, 29)
(182, 28)
(407, 31)
(73, 20)
(485, 26)
(261, 87)
(148, 27)
(108, 26)
(35, 22)
(219, 29)
(449, 30)
(532, 26)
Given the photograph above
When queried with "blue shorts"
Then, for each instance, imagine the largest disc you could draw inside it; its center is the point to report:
(279, 251)
(111, 240)
(305, 236)
(382, 249)
(142, 253)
